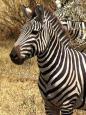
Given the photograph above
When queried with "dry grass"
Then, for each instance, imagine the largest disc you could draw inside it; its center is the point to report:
(12, 17)
(19, 94)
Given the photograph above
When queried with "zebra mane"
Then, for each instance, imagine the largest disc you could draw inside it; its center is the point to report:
(50, 16)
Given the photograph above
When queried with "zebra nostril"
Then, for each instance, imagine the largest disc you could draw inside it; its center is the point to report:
(15, 57)
(14, 54)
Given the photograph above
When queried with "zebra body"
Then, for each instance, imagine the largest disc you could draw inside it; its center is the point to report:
(62, 70)
(76, 29)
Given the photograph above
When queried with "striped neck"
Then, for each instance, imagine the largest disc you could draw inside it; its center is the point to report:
(56, 29)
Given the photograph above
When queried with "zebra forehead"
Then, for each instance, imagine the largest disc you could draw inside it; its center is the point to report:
(26, 26)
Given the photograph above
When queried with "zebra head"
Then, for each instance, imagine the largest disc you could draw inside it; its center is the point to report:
(32, 40)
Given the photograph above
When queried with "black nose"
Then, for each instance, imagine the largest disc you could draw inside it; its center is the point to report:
(13, 54)
(15, 57)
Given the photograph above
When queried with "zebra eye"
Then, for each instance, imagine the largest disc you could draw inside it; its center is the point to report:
(34, 32)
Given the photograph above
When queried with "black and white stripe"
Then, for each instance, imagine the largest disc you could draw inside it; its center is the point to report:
(76, 29)
(62, 70)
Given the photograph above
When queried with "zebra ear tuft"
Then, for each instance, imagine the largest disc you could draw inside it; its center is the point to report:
(39, 12)
(26, 10)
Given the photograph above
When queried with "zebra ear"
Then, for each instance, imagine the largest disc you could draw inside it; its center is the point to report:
(39, 12)
(26, 10)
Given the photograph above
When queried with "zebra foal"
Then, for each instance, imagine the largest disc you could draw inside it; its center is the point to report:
(62, 69)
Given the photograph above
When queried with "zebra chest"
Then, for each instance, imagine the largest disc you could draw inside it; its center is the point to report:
(44, 88)
(54, 88)
(50, 90)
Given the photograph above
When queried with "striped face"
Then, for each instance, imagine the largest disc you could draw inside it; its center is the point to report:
(30, 41)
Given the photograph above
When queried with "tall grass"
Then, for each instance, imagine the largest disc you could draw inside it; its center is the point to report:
(11, 17)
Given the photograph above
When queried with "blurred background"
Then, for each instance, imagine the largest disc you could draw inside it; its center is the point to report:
(19, 93)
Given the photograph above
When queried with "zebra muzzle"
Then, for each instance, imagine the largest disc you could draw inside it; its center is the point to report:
(15, 57)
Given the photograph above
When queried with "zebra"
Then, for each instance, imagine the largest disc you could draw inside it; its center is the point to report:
(61, 69)
(77, 32)
(76, 29)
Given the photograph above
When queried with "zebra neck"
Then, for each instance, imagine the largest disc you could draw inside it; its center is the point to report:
(49, 61)
(62, 36)
(58, 30)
